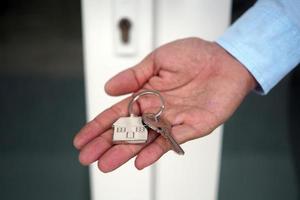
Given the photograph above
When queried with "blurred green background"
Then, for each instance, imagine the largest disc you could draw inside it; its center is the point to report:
(41, 100)
(42, 106)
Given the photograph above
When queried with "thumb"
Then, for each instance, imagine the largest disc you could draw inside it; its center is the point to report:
(131, 79)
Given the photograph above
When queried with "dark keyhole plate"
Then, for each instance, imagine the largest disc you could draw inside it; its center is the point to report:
(125, 26)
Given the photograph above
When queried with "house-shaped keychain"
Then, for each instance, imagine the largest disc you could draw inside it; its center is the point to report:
(129, 130)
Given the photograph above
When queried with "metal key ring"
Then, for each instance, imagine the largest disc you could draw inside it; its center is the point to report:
(146, 92)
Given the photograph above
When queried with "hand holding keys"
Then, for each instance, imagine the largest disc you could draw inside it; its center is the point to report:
(132, 129)
(204, 85)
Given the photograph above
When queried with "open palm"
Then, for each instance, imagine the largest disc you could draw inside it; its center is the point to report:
(202, 85)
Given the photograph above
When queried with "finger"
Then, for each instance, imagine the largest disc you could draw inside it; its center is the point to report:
(93, 150)
(160, 146)
(132, 79)
(120, 154)
(101, 123)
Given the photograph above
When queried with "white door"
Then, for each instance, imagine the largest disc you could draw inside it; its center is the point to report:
(193, 176)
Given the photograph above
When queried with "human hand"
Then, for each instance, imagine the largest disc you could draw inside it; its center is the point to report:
(202, 86)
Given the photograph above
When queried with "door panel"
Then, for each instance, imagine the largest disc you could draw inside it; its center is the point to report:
(193, 176)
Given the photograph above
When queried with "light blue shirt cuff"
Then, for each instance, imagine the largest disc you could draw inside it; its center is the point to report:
(266, 40)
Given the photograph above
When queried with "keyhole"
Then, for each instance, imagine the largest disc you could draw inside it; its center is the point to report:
(125, 26)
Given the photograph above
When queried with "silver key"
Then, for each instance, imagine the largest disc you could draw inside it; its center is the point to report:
(129, 130)
(164, 128)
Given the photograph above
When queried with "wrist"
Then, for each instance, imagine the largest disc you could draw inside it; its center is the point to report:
(234, 69)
